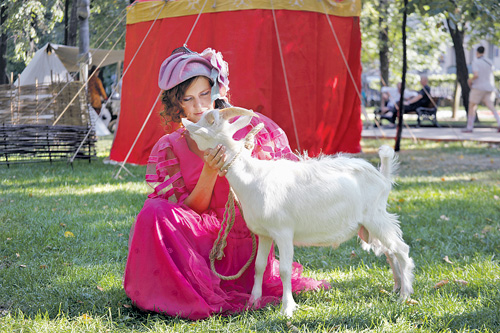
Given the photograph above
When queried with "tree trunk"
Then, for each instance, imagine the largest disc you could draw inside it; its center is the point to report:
(73, 24)
(66, 21)
(457, 37)
(456, 100)
(3, 44)
(399, 130)
(384, 43)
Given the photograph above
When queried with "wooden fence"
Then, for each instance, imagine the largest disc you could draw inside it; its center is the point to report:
(27, 129)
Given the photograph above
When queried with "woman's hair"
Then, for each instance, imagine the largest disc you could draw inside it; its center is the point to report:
(172, 99)
(92, 70)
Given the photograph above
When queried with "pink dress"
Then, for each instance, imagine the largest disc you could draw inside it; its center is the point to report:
(168, 268)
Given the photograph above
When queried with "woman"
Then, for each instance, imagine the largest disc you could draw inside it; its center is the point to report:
(168, 268)
(96, 90)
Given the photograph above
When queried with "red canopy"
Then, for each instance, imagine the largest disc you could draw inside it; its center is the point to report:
(324, 100)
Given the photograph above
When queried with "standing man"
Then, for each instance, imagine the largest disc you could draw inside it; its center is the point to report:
(482, 89)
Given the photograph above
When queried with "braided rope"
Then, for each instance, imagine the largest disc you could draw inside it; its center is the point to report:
(220, 243)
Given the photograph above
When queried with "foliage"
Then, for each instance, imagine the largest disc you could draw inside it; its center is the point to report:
(480, 18)
(32, 23)
(107, 23)
(26, 22)
(63, 248)
(425, 43)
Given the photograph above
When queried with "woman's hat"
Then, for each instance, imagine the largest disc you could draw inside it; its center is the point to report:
(184, 64)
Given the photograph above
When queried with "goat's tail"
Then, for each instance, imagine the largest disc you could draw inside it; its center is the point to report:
(388, 161)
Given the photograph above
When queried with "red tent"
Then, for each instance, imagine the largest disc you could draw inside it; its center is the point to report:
(317, 58)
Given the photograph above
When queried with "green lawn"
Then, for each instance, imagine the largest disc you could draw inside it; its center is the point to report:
(64, 234)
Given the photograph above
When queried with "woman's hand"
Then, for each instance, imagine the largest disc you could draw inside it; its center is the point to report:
(215, 158)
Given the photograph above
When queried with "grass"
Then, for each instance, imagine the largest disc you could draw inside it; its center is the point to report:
(64, 234)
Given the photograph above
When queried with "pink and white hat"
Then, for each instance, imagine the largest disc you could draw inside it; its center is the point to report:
(184, 64)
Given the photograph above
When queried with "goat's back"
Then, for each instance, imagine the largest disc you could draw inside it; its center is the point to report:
(310, 197)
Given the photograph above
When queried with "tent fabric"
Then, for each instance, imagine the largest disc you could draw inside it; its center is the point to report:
(325, 102)
(53, 62)
(69, 56)
(143, 9)
(44, 68)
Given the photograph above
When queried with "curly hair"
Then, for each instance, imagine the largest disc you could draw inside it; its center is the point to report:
(172, 98)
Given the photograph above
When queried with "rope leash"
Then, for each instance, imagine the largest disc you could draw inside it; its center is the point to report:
(220, 243)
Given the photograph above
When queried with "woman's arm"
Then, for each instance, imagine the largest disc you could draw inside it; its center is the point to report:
(199, 199)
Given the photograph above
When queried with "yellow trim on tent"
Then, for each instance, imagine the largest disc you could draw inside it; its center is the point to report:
(148, 11)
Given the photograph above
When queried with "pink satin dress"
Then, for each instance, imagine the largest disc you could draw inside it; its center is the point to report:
(168, 268)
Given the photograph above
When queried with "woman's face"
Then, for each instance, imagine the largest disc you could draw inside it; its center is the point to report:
(197, 100)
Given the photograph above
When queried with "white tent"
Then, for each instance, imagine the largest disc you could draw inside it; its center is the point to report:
(44, 67)
(53, 62)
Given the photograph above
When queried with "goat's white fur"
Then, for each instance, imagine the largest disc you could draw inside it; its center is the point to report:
(320, 201)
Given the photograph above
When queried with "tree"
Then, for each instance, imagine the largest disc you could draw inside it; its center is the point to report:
(26, 25)
(70, 23)
(3, 44)
(383, 33)
(23, 22)
(478, 18)
(425, 43)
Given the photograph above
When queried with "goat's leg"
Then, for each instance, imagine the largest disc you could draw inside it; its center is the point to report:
(396, 272)
(260, 266)
(406, 267)
(285, 247)
(385, 229)
(391, 259)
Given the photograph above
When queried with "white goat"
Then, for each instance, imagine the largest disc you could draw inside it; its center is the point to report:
(318, 202)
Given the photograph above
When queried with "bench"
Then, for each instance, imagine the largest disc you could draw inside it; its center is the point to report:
(423, 113)
(427, 113)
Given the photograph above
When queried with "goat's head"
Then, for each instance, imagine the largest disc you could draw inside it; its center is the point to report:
(214, 127)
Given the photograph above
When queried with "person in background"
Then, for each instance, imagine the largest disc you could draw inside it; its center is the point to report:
(96, 90)
(391, 97)
(483, 89)
(168, 268)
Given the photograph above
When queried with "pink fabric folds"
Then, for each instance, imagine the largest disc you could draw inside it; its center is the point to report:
(168, 270)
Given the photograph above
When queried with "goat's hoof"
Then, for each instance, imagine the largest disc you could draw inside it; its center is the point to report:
(254, 301)
(288, 310)
(404, 297)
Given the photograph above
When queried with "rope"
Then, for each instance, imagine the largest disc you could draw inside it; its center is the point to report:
(347, 65)
(159, 94)
(220, 243)
(73, 76)
(139, 134)
(195, 22)
(112, 26)
(286, 78)
(86, 82)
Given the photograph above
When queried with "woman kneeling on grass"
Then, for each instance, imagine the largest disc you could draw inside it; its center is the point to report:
(168, 267)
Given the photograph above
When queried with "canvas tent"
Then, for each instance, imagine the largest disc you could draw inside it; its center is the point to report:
(297, 62)
(53, 62)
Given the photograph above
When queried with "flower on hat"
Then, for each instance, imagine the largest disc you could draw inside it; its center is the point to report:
(219, 65)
